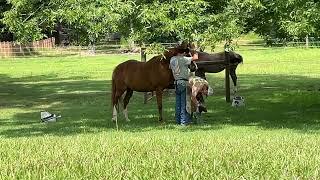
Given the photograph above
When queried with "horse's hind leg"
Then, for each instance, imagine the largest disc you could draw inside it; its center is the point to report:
(115, 104)
(234, 78)
(159, 102)
(125, 103)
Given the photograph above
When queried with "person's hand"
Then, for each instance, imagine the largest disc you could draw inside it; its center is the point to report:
(195, 56)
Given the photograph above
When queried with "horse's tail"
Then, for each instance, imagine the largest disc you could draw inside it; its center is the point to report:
(240, 59)
(236, 58)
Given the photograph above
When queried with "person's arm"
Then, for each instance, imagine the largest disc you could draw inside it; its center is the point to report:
(171, 61)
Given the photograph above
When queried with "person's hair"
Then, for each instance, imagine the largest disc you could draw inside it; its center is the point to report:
(181, 51)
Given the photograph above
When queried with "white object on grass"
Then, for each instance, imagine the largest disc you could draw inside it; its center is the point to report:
(48, 117)
(238, 101)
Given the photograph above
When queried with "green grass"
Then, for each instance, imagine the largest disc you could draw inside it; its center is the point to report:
(275, 136)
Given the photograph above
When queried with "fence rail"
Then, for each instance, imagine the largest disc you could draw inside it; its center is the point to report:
(9, 49)
(47, 48)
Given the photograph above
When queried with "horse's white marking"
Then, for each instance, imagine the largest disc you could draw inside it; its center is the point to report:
(114, 114)
(125, 113)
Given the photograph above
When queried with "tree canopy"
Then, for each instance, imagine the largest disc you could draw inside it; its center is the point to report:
(147, 21)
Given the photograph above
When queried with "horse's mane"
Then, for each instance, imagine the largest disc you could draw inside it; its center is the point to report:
(169, 53)
(165, 56)
(155, 58)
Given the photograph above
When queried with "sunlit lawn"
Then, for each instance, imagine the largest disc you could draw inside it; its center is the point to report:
(275, 136)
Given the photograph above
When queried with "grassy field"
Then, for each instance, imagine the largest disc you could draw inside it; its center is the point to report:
(276, 136)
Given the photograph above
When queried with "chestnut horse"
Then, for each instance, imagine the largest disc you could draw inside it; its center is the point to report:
(153, 75)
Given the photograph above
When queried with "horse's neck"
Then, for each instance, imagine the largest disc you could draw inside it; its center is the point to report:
(166, 56)
(156, 60)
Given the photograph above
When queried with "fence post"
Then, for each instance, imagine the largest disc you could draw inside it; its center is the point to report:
(227, 73)
(144, 59)
(307, 41)
(4, 49)
(10, 49)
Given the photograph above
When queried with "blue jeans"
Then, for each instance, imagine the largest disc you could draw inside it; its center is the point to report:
(181, 111)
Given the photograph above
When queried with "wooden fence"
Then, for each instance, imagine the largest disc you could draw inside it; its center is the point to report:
(10, 49)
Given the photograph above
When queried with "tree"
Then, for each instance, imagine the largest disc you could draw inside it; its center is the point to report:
(199, 20)
(5, 35)
(90, 18)
(285, 19)
(148, 21)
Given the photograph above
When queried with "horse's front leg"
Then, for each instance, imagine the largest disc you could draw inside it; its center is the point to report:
(159, 93)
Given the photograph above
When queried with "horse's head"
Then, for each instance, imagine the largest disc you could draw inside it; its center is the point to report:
(182, 48)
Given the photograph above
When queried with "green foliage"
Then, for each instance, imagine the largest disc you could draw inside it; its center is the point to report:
(89, 19)
(4, 33)
(142, 21)
(164, 21)
(155, 48)
(285, 19)
(172, 21)
(152, 21)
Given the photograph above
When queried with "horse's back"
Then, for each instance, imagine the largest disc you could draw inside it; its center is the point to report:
(141, 76)
(129, 62)
(213, 58)
(124, 66)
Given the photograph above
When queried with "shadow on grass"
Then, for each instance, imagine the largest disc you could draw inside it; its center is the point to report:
(272, 102)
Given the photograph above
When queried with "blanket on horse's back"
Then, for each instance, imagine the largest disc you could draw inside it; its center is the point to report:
(196, 85)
